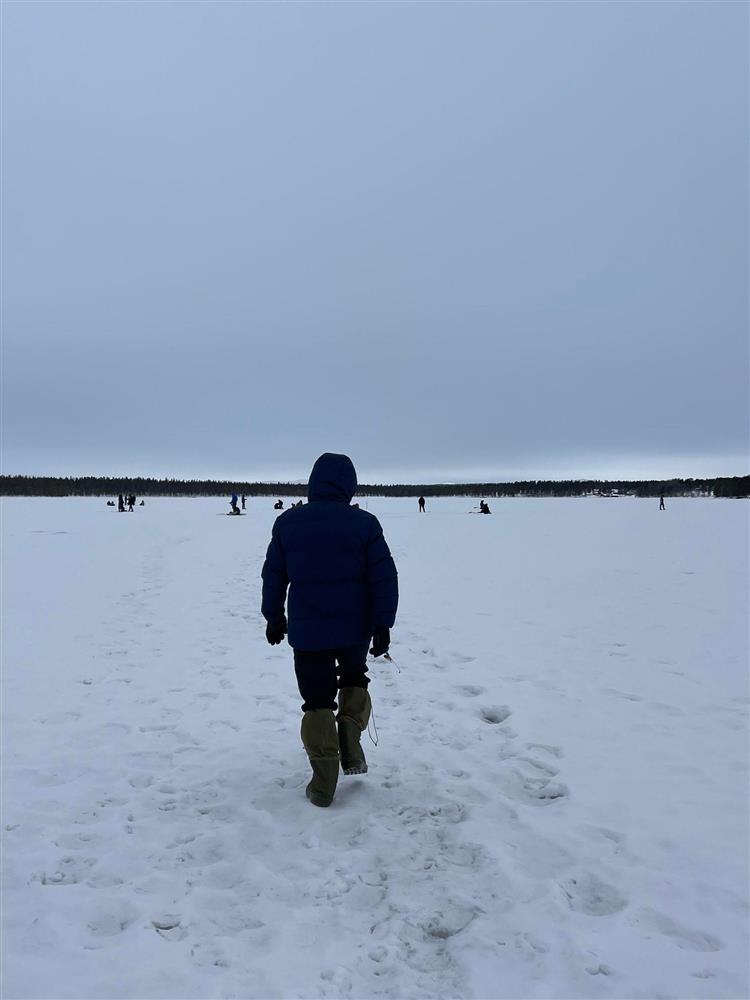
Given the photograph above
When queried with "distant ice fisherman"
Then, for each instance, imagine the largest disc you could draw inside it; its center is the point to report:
(343, 591)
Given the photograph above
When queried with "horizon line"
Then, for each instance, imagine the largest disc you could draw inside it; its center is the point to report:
(303, 482)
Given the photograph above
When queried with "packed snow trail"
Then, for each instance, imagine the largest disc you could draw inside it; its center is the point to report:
(557, 806)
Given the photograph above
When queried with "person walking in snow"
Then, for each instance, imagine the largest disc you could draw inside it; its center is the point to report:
(421, 505)
(662, 505)
(121, 504)
(244, 499)
(343, 592)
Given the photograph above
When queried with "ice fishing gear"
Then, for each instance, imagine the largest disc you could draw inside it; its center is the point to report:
(387, 656)
(375, 728)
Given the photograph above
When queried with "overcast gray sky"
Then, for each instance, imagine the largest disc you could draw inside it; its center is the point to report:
(452, 240)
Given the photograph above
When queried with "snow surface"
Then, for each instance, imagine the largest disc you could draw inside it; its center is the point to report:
(557, 807)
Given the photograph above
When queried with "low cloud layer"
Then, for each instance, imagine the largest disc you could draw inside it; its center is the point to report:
(454, 241)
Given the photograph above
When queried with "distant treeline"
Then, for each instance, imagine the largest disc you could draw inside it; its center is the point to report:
(86, 486)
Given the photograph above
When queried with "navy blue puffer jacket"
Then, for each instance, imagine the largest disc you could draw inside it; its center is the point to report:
(334, 559)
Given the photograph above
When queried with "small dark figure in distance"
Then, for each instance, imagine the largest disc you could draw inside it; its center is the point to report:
(421, 505)
(484, 507)
(233, 504)
(131, 503)
(244, 498)
(142, 503)
(121, 504)
(662, 505)
(111, 503)
(279, 505)
(343, 591)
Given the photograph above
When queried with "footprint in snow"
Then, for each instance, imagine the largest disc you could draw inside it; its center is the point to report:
(77, 841)
(469, 690)
(215, 723)
(599, 970)
(169, 927)
(586, 893)
(531, 789)
(446, 812)
(539, 765)
(463, 855)
(111, 801)
(69, 871)
(684, 937)
(494, 715)
(140, 781)
(542, 792)
(112, 920)
(547, 747)
(208, 955)
(621, 694)
(611, 841)
(449, 920)
(378, 955)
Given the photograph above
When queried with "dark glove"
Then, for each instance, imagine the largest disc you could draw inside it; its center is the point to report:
(275, 631)
(381, 640)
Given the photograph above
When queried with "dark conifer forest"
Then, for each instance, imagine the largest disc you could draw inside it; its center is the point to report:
(110, 486)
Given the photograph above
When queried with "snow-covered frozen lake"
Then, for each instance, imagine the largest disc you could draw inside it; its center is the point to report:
(557, 807)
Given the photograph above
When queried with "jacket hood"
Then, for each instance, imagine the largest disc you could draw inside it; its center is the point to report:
(333, 477)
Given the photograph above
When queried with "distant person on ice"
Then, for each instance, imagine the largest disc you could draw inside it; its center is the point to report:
(343, 591)
(421, 505)
(233, 504)
(121, 504)
(662, 505)
(484, 508)
(279, 505)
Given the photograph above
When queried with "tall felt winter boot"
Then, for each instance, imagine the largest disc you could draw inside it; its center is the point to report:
(322, 746)
(354, 714)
